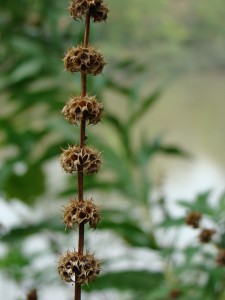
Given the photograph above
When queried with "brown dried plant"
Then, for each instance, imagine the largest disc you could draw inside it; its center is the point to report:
(76, 266)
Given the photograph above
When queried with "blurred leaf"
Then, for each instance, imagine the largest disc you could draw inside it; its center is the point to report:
(14, 261)
(27, 69)
(173, 150)
(20, 233)
(171, 222)
(128, 229)
(22, 187)
(144, 106)
(141, 281)
(201, 204)
(156, 146)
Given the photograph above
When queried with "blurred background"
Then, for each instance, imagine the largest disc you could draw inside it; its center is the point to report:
(162, 139)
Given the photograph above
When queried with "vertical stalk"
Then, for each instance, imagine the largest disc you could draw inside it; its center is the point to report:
(77, 295)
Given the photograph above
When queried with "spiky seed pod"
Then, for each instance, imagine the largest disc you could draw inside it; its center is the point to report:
(206, 235)
(84, 60)
(78, 107)
(74, 267)
(221, 258)
(174, 294)
(74, 158)
(193, 219)
(32, 295)
(77, 212)
(97, 10)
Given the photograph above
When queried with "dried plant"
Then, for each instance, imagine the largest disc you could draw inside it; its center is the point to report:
(76, 266)
(32, 295)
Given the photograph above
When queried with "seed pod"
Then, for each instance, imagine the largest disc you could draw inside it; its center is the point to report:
(97, 10)
(221, 258)
(75, 158)
(32, 295)
(175, 294)
(77, 212)
(84, 60)
(78, 107)
(78, 268)
(193, 219)
(206, 235)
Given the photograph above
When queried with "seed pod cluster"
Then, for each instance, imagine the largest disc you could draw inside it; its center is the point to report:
(84, 60)
(77, 267)
(97, 10)
(77, 212)
(73, 267)
(83, 107)
(74, 158)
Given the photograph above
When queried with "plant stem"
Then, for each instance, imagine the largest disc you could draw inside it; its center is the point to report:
(77, 295)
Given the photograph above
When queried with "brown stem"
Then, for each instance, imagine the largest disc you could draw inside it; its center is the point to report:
(77, 295)
(87, 30)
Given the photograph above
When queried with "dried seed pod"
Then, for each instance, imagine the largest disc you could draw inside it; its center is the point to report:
(193, 219)
(77, 212)
(97, 10)
(206, 235)
(32, 295)
(84, 60)
(221, 258)
(74, 158)
(78, 268)
(174, 294)
(79, 107)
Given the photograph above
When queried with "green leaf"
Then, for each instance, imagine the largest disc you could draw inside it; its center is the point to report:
(128, 229)
(200, 204)
(20, 233)
(144, 106)
(170, 222)
(25, 70)
(149, 149)
(14, 261)
(139, 281)
(26, 187)
(173, 150)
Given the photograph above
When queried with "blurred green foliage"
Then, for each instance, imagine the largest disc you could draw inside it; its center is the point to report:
(34, 36)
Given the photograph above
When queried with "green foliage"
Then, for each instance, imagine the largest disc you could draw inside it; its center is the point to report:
(34, 36)
(139, 281)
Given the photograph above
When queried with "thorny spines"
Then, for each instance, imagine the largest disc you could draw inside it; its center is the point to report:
(77, 212)
(86, 60)
(97, 10)
(83, 107)
(74, 158)
(78, 268)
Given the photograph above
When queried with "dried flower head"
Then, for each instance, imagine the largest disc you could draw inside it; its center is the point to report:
(74, 267)
(78, 107)
(193, 219)
(84, 60)
(206, 235)
(74, 158)
(174, 294)
(77, 212)
(97, 10)
(32, 295)
(221, 258)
